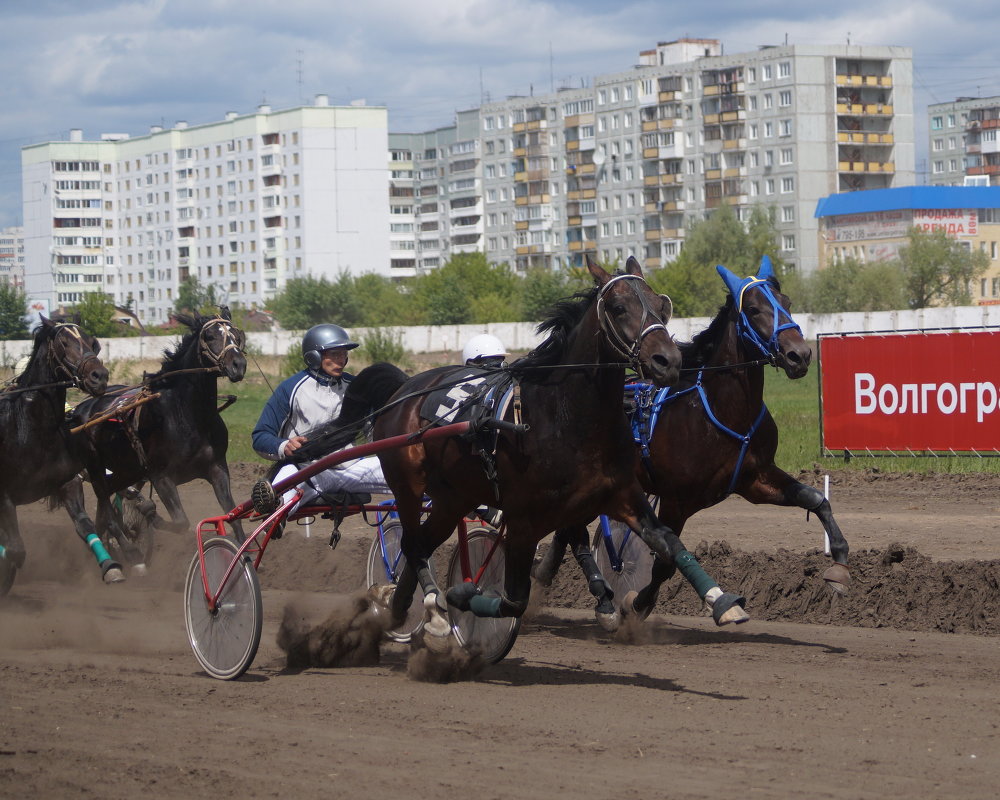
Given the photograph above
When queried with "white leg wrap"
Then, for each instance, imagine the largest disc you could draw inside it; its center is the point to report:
(712, 595)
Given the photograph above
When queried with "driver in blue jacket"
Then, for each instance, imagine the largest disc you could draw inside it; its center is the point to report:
(310, 398)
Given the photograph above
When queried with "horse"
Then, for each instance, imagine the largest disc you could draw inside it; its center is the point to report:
(38, 454)
(175, 437)
(575, 460)
(713, 435)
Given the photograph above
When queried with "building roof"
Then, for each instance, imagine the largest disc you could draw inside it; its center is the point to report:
(908, 197)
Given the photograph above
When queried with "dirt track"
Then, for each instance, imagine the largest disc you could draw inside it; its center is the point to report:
(868, 696)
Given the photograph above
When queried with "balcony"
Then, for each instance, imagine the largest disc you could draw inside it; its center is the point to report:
(864, 137)
(866, 166)
(883, 81)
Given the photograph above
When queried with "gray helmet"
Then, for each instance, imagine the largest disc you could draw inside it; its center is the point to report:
(324, 337)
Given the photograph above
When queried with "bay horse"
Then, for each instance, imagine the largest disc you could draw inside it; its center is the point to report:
(38, 454)
(713, 435)
(575, 461)
(174, 438)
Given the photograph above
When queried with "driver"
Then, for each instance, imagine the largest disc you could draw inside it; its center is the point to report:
(484, 350)
(310, 398)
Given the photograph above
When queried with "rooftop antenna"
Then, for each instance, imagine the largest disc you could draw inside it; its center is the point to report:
(552, 77)
(848, 38)
(481, 93)
(299, 71)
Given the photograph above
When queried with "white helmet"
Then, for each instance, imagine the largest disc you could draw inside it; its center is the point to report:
(482, 346)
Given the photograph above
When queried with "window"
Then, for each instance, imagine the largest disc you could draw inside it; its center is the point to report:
(937, 123)
(768, 129)
(785, 97)
(788, 214)
(766, 72)
(788, 241)
(785, 127)
(768, 101)
(787, 185)
(785, 69)
(786, 155)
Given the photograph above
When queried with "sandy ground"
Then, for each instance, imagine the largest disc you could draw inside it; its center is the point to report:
(890, 692)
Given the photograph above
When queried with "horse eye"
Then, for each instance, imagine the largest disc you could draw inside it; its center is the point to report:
(618, 310)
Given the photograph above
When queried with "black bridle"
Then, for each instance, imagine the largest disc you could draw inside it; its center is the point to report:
(234, 338)
(613, 334)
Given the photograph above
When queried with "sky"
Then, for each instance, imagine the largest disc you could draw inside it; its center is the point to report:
(121, 66)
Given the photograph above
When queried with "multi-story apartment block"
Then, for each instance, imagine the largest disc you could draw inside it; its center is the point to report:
(964, 142)
(241, 204)
(12, 256)
(435, 195)
(625, 166)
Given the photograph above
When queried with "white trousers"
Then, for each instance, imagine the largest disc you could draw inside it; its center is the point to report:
(360, 475)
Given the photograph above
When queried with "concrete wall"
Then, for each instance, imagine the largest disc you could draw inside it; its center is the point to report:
(521, 336)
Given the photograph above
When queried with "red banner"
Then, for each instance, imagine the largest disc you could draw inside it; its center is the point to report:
(912, 391)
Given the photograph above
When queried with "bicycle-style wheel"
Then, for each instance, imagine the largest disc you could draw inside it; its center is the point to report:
(629, 567)
(385, 565)
(489, 637)
(224, 641)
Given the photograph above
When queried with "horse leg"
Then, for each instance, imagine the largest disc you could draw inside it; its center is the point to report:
(607, 614)
(544, 571)
(167, 490)
(12, 552)
(517, 585)
(671, 555)
(70, 495)
(218, 476)
(418, 543)
(777, 487)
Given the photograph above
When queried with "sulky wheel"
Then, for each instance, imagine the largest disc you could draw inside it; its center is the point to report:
(225, 640)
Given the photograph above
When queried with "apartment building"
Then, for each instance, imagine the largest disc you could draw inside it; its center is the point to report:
(12, 256)
(624, 166)
(435, 195)
(964, 142)
(242, 205)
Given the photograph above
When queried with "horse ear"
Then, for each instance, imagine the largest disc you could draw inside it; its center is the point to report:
(225, 313)
(766, 270)
(632, 266)
(599, 273)
(45, 320)
(731, 281)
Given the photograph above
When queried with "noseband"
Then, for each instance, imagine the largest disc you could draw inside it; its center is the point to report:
(630, 351)
(768, 348)
(63, 366)
(234, 340)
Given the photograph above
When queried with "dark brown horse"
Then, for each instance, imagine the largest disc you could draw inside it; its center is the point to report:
(576, 460)
(174, 438)
(714, 436)
(37, 452)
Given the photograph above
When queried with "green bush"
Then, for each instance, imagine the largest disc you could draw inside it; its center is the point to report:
(382, 344)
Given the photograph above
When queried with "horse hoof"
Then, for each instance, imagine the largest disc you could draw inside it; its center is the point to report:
(139, 570)
(380, 596)
(609, 622)
(728, 609)
(838, 578)
(628, 608)
(114, 575)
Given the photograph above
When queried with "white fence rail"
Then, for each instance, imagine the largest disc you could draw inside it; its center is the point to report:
(521, 336)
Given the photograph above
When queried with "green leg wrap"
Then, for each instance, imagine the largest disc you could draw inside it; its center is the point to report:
(483, 606)
(696, 576)
(94, 542)
(3, 551)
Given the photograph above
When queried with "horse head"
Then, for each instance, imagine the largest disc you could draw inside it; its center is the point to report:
(222, 345)
(633, 319)
(72, 355)
(764, 319)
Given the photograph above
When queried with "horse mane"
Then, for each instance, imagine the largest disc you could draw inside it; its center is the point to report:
(41, 335)
(195, 321)
(563, 319)
(699, 351)
(366, 395)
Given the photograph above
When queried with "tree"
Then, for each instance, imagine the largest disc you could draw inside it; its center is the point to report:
(849, 285)
(447, 295)
(312, 301)
(691, 280)
(192, 296)
(938, 269)
(96, 312)
(13, 307)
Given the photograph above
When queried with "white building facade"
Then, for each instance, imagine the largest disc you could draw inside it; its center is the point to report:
(622, 167)
(12, 256)
(241, 205)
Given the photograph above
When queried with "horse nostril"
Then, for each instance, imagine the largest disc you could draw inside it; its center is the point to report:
(661, 361)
